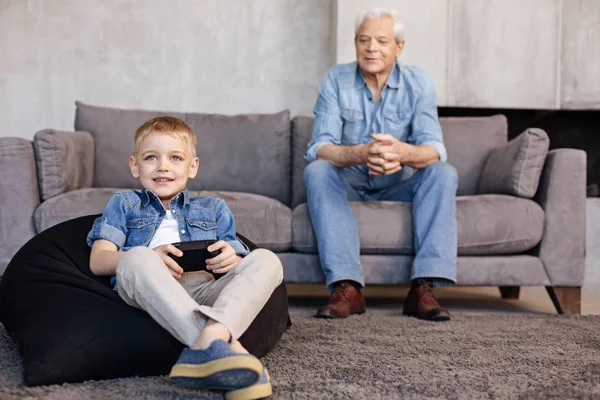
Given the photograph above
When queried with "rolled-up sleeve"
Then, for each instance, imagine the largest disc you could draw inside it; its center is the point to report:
(112, 225)
(426, 129)
(441, 149)
(226, 229)
(327, 128)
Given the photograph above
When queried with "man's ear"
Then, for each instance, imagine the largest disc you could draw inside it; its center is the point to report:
(134, 167)
(399, 48)
(194, 167)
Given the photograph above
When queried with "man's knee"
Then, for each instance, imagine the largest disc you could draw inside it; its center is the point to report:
(319, 170)
(266, 263)
(442, 172)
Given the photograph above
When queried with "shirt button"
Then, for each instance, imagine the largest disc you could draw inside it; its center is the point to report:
(182, 231)
(174, 211)
(140, 222)
(204, 224)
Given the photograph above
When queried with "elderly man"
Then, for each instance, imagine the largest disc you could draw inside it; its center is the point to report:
(376, 136)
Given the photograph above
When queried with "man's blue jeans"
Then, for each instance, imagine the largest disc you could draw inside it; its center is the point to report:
(432, 191)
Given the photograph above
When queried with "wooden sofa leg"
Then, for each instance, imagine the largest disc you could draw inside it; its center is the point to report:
(567, 300)
(510, 292)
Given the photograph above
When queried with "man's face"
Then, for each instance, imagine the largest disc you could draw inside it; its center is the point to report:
(163, 163)
(376, 47)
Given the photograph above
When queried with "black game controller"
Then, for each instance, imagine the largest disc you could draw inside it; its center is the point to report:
(195, 254)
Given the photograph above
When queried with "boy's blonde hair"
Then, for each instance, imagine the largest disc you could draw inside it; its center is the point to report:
(165, 125)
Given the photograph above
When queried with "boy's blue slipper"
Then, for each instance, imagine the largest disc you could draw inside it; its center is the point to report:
(216, 367)
(259, 390)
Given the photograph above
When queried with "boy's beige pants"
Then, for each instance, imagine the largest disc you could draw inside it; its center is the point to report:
(184, 306)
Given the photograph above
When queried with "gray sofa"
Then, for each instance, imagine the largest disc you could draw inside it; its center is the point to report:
(517, 226)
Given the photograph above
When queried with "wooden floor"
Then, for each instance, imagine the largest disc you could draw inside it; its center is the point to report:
(472, 298)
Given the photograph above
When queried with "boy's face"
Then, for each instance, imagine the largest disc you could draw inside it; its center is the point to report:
(163, 163)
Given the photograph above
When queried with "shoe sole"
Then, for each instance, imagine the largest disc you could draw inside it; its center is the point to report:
(326, 316)
(213, 367)
(441, 318)
(251, 393)
(256, 391)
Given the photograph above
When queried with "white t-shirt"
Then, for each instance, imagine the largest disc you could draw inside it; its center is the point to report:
(167, 232)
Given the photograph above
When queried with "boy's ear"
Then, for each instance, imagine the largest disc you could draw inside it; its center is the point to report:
(133, 167)
(194, 167)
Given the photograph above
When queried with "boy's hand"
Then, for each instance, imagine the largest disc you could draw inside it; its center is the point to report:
(225, 261)
(163, 252)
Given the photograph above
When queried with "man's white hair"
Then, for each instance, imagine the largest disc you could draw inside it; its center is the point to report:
(377, 13)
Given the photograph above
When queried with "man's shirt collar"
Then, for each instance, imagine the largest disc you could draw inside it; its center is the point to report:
(393, 80)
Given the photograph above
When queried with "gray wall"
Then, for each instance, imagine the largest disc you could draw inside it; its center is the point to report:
(223, 56)
(496, 53)
(233, 56)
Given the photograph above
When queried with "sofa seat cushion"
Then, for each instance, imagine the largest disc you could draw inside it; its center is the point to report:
(487, 225)
(69, 205)
(267, 221)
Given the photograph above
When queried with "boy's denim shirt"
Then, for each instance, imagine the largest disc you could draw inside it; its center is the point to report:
(131, 217)
(345, 114)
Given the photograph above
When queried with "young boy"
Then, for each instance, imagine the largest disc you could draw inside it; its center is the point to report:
(131, 242)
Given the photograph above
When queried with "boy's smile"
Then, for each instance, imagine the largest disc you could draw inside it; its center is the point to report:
(164, 163)
(163, 181)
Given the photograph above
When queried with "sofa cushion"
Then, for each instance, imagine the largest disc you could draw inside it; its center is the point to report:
(487, 225)
(64, 161)
(244, 153)
(516, 167)
(468, 140)
(73, 204)
(267, 221)
(301, 134)
(71, 326)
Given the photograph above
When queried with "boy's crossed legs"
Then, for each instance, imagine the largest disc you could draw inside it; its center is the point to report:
(205, 314)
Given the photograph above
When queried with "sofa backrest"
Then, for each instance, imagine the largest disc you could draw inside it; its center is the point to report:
(242, 153)
(468, 140)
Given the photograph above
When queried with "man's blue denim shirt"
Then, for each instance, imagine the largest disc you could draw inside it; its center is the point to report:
(345, 114)
(131, 217)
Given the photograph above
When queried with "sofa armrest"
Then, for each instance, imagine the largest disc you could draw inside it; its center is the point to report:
(65, 161)
(19, 196)
(562, 195)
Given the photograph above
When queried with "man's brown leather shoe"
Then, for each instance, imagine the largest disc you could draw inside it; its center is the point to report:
(344, 301)
(422, 303)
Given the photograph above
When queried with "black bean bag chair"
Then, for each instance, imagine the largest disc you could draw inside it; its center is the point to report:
(70, 325)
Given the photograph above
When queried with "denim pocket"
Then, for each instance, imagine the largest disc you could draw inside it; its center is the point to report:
(397, 122)
(140, 230)
(201, 229)
(353, 125)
